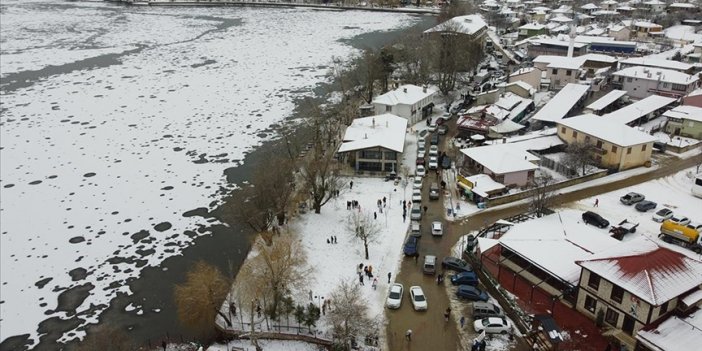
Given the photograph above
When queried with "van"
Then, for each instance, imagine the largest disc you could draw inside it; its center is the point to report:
(416, 212)
(415, 229)
(429, 264)
(485, 310)
(434, 191)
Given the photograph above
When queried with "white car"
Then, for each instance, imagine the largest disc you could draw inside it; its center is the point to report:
(493, 325)
(421, 142)
(419, 300)
(433, 162)
(437, 228)
(417, 195)
(662, 215)
(420, 172)
(434, 151)
(421, 151)
(432, 126)
(417, 183)
(677, 219)
(395, 296)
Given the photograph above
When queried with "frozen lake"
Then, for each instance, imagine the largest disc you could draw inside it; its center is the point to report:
(116, 120)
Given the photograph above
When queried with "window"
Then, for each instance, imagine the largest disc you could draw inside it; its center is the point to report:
(629, 79)
(643, 147)
(563, 130)
(594, 281)
(388, 108)
(590, 304)
(614, 149)
(575, 134)
(666, 85)
(611, 317)
(587, 139)
(628, 151)
(554, 71)
(569, 73)
(617, 294)
(679, 87)
(599, 144)
(664, 308)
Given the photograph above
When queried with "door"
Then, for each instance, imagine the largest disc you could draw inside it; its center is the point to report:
(628, 325)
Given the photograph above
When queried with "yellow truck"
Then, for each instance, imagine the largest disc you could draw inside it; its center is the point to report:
(684, 235)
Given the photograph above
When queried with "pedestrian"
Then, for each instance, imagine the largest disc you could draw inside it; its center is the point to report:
(476, 345)
(463, 321)
(324, 308)
(335, 242)
(164, 345)
(381, 209)
(375, 215)
(446, 316)
(408, 335)
(375, 283)
(258, 311)
(404, 203)
(370, 271)
(380, 203)
(597, 202)
(416, 258)
(331, 239)
(365, 270)
(232, 309)
(351, 184)
(483, 344)
(404, 216)
(348, 205)
(389, 276)
(438, 279)
(360, 278)
(327, 241)
(425, 209)
(384, 201)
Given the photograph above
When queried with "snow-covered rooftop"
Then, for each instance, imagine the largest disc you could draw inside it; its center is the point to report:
(555, 242)
(685, 112)
(589, 6)
(660, 63)
(533, 26)
(606, 100)
(522, 71)
(507, 126)
(559, 106)
(386, 130)
(556, 42)
(561, 19)
(502, 158)
(554, 61)
(406, 94)
(657, 74)
(603, 128)
(638, 109)
(469, 24)
(674, 334)
(644, 24)
(520, 83)
(483, 184)
(693, 298)
(656, 275)
(683, 5)
(683, 32)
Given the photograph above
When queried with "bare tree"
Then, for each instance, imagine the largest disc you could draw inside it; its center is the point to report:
(249, 292)
(454, 9)
(350, 313)
(580, 156)
(542, 193)
(413, 56)
(453, 52)
(199, 298)
(106, 338)
(362, 227)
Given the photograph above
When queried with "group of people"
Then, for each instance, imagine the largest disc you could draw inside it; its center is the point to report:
(366, 271)
(352, 205)
(332, 240)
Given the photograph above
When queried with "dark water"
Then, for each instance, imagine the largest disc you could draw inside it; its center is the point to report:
(225, 247)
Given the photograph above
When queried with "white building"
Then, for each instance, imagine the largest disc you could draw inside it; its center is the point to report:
(471, 26)
(374, 143)
(409, 101)
(640, 82)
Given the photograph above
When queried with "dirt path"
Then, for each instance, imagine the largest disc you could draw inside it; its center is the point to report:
(430, 332)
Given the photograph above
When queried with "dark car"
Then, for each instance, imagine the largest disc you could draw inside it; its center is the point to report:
(456, 264)
(593, 218)
(465, 278)
(411, 246)
(434, 139)
(471, 293)
(446, 162)
(645, 205)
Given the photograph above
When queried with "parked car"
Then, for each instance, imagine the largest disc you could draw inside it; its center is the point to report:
(645, 205)
(419, 300)
(432, 126)
(417, 183)
(492, 325)
(433, 162)
(417, 195)
(485, 310)
(455, 264)
(434, 139)
(416, 212)
(442, 130)
(434, 191)
(411, 246)
(421, 151)
(437, 228)
(420, 160)
(465, 278)
(446, 163)
(631, 198)
(420, 171)
(429, 266)
(434, 150)
(593, 218)
(472, 293)
(678, 219)
(415, 229)
(421, 143)
(662, 215)
(394, 300)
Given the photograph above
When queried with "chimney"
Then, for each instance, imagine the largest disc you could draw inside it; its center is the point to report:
(424, 89)
(404, 89)
(365, 136)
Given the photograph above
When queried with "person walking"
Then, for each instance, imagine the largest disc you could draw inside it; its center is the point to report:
(351, 184)
(426, 209)
(408, 335)
(360, 277)
(463, 321)
(375, 283)
(375, 215)
(404, 216)
(389, 276)
(597, 202)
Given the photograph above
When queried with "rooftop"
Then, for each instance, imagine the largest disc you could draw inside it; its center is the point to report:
(559, 106)
(638, 109)
(655, 275)
(660, 63)
(603, 128)
(406, 94)
(469, 24)
(606, 100)
(502, 158)
(386, 130)
(675, 333)
(685, 112)
(659, 74)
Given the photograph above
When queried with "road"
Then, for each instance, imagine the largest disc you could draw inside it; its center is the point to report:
(430, 332)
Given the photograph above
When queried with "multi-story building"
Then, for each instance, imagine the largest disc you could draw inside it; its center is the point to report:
(408, 101)
(640, 82)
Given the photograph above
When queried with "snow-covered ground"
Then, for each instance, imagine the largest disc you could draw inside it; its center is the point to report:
(95, 151)
(268, 345)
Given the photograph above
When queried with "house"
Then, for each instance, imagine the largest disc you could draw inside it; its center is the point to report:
(694, 98)
(409, 101)
(617, 146)
(504, 163)
(657, 63)
(554, 47)
(619, 47)
(643, 29)
(531, 29)
(529, 75)
(479, 187)
(640, 82)
(634, 287)
(374, 143)
(519, 88)
(562, 104)
(640, 111)
(470, 27)
(654, 6)
(589, 8)
(562, 70)
(619, 32)
(674, 333)
(684, 120)
(606, 103)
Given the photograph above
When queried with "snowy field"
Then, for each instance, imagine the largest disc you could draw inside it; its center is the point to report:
(94, 151)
